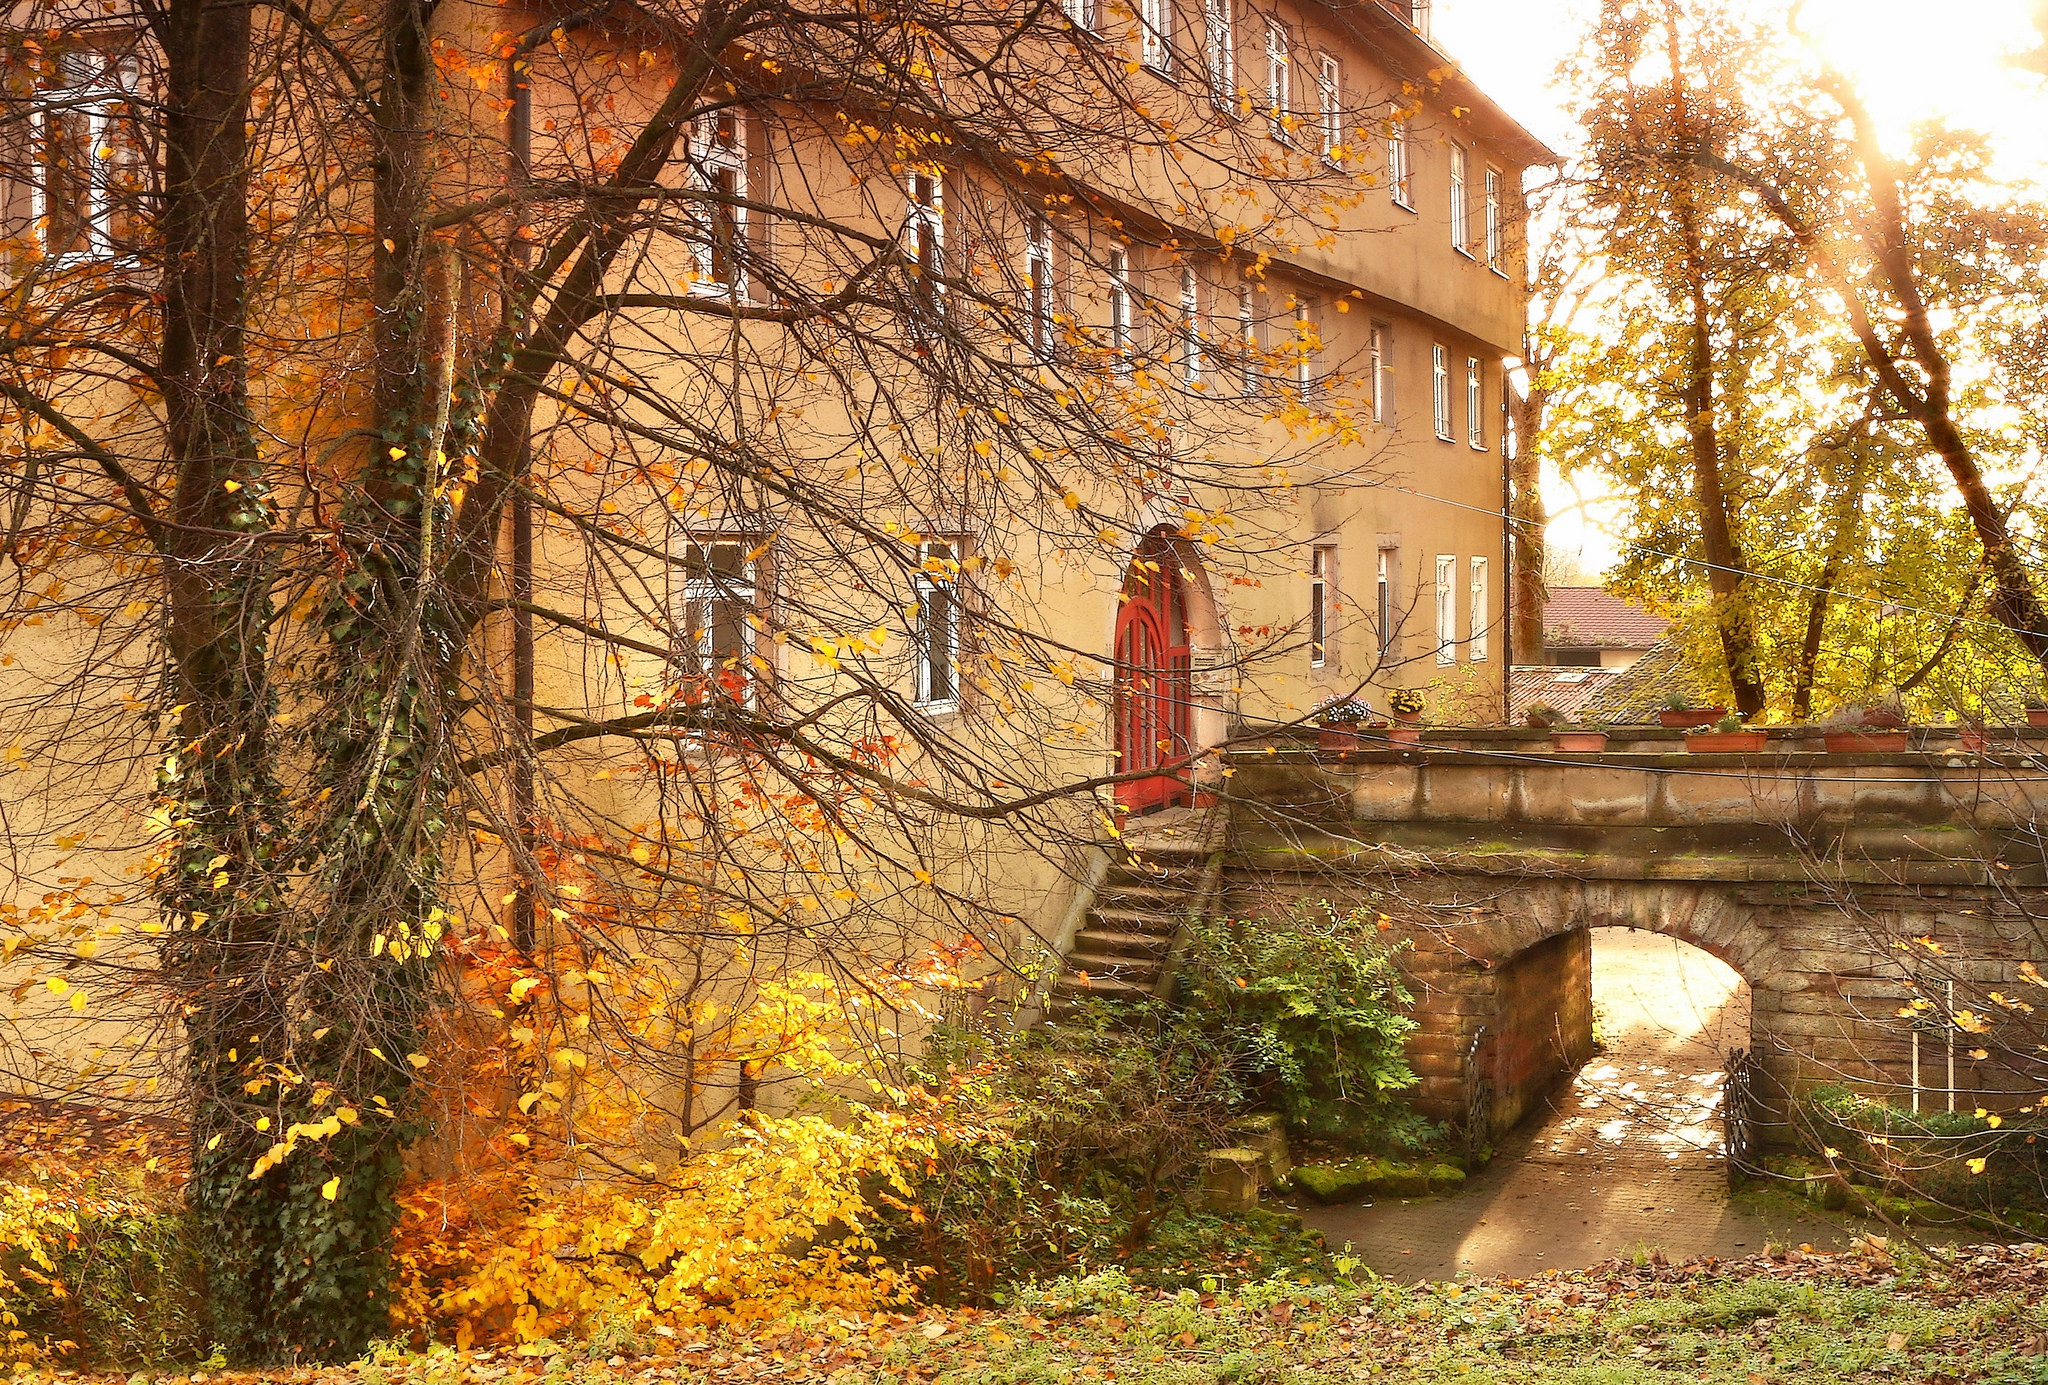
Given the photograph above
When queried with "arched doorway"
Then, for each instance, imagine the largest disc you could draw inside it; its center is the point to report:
(1153, 708)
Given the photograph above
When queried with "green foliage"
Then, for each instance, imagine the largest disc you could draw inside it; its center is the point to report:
(1971, 1160)
(1310, 1008)
(106, 1274)
(1052, 1135)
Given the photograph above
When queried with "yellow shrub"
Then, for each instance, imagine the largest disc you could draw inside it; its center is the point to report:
(32, 1232)
(769, 1226)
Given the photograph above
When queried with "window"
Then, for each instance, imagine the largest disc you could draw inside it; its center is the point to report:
(925, 236)
(1190, 328)
(1417, 15)
(89, 161)
(1278, 79)
(1440, 390)
(1155, 41)
(1329, 105)
(1382, 366)
(1446, 608)
(1249, 343)
(1222, 52)
(718, 167)
(1475, 404)
(938, 626)
(1383, 605)
(1038, 270)
(1479, 620)
(1322, 564)
(1081, 12)
(1461, 240)
(1493, 214)
(1397, 164)
(1120, 310)
(720, 592)
(1308, 328)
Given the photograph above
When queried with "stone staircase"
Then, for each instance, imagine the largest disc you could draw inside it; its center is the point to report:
(1164, 869)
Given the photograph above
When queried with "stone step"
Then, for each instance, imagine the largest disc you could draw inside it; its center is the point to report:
(1105, 942)
(1145, 898)
(1072, 989)
(1114, 966)
(1134, 921)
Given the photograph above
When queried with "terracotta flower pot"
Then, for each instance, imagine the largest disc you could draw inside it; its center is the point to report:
(1691, 716)
(1724, 742)
(1974, 739)
(1584, 742)
(2037, 716)
(1337, 739)
(1868, 741)
(1407, 718)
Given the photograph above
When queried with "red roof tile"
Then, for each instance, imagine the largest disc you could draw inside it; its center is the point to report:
(1589, 617)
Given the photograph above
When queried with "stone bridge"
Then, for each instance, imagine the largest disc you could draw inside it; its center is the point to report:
(1841, 887)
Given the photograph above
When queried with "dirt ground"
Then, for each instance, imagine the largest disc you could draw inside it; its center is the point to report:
(1627, 1157)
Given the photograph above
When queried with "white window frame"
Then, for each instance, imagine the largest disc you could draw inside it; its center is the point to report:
(938, 589)
(924, 232)
(1446, 608)
(1330, 104)
(1220, 39)
(704, 588)
(1494, 188)
(1248, 336)
(1381, 351)
(1400, 176)
(1308, 328)
(1322, 565)
(1082, 13)
(1279, 80)
(1039, 284)
(1461, 230)
(1389, 563)
(97, 98)
(1121, 344)
(718, 149)
(1155, 35)
(1476, 645)
(1475, 404)
(1190, 328)
(1440, 389)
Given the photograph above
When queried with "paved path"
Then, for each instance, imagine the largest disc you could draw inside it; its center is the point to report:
(1627, 1158)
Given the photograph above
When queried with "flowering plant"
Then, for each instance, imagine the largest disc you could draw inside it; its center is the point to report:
(1408, 702)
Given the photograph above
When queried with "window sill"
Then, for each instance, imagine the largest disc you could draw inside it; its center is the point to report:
(1408, 207)
(1465, 252)
(1501, 272)
(936, 709)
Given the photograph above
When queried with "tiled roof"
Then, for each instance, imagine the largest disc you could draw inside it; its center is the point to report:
(1588, 617)
(1639, 692)
(1566, 689)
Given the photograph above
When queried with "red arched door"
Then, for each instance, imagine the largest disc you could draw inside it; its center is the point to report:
(1154, 705)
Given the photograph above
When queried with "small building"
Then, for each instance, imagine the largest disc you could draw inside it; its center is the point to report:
(1588, 627)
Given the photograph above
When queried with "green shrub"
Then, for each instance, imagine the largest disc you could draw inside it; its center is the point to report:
(1956, 1158)
(1311, 1008)
(101, 1272)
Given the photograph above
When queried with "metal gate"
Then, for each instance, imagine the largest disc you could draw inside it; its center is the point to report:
(1738, 1114)
(1478, 1098)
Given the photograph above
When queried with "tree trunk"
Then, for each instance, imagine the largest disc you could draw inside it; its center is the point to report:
(1527, 521)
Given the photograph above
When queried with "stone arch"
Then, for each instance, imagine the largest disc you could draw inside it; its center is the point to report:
(1706, 916)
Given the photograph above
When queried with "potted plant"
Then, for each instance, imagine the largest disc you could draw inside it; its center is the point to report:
(1582, 740)
(2036, 709)
(1866, 730)
(1680, 709)
(1972, 734)
(1726, 736)
(1406, 704)
(1541, 716)
(1337, 724)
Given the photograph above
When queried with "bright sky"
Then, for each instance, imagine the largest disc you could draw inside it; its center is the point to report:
(1911, 59)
